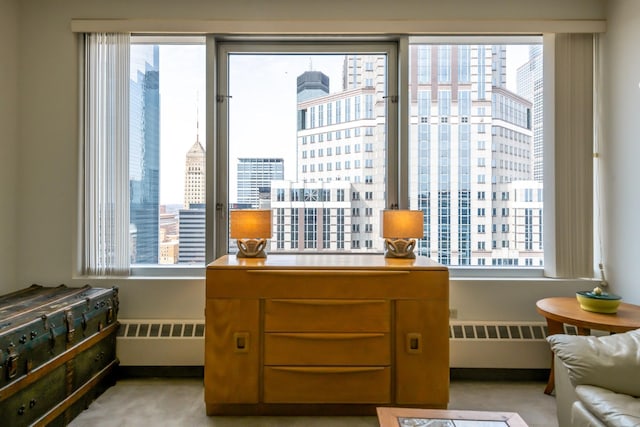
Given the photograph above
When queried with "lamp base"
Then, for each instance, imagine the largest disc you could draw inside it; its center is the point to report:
(251, 248)
(399, 248)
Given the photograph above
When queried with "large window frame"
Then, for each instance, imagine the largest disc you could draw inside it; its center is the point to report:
(397, 155)
(223, 49)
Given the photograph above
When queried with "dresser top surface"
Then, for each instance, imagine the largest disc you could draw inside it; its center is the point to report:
(326, 261)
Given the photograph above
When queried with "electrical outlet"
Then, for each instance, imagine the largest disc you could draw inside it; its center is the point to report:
(453, 313)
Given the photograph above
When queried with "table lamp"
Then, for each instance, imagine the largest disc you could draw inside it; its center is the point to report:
(400, 228)
(251, 228)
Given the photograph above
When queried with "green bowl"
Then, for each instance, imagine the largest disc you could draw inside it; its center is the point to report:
(603, 303)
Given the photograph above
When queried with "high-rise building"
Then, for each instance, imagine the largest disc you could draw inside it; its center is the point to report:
(312, 84)
(471, 149)
(192, 223)
(144, 156)
(336, 201)
(312, 216)
(470, 161)
(168, 236)
(255, 176)
(530, 86)
(195, 175)
(191, 219)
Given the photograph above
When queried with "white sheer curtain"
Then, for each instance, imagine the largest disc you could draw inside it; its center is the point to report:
(573, 156)
(106, 154)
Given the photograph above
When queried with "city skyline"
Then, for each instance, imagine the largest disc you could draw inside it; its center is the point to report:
(255, 133)
(480, 204)
(183, 105)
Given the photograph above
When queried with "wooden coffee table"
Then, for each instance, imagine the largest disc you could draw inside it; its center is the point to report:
(561, 310)
(401, 417)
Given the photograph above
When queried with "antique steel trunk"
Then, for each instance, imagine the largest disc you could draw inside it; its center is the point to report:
(57, 352)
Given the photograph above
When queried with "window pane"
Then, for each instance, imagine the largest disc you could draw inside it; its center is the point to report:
(296, 132)
(497, 87)
(166, 153)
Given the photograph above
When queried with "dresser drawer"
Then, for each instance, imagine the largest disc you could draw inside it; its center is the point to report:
(326, 315)
(327, 385)
(346, 349)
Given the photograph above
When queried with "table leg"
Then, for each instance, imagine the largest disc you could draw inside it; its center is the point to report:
(554, 327)
(583, 331)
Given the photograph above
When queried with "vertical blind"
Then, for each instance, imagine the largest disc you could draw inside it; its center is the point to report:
(573, 155)
(106, 153)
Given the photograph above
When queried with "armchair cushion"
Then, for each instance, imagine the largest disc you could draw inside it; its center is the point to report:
(611, 362)
(613, 409)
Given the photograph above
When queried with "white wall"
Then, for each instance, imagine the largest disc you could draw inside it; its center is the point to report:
(48, 113)
(8, 142)
(620, 152)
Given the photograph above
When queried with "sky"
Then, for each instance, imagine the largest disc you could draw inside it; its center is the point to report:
(262, 110)
(262, 106)
(182, 114)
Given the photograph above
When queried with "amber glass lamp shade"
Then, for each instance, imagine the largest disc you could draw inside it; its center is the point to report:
(400, 228)
(251, 228)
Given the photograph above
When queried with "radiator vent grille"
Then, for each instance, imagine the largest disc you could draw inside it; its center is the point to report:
(161, 329)
(502, 331)
(457, 331)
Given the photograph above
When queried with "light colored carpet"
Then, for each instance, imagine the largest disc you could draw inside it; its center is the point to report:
(180, 402)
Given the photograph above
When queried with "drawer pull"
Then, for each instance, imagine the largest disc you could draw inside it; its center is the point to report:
(308, 273)
(329, 336)
(328, 369)
(414, 343)
(241, 342)
(319, 302)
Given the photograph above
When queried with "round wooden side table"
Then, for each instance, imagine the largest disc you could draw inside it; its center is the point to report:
(560, 310)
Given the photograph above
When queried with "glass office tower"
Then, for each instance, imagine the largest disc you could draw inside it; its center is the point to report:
(144, 154)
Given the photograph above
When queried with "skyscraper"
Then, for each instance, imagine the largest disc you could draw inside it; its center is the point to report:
(471, 159)
(312, 84)
(192, 226)
(530, 86)
(255, 176)
(341, 143)
(191, 249)
(144, 155)
(195, 175)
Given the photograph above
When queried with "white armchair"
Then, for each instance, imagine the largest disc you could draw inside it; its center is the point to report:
(597, 379)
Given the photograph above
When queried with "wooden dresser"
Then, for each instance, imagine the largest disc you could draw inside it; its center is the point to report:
(318, 334)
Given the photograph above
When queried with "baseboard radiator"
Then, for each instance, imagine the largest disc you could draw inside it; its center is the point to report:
(475, 344)
(163, 342)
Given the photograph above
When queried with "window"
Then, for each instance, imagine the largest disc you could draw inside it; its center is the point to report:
(449, 159)
(461, 94)
(319, 92)
(444, 64)
(167, 186)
